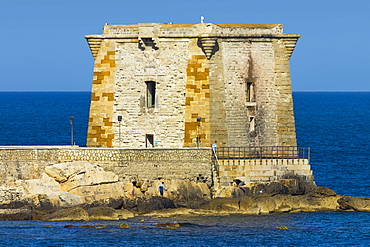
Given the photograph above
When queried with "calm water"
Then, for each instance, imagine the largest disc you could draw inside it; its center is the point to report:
(335, 125)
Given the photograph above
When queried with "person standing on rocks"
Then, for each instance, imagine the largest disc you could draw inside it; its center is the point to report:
(161, 189)
(214, 149)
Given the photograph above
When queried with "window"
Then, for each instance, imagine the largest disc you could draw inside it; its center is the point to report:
(249, 91)
(251, 123)
(150, 94)
(149, 141)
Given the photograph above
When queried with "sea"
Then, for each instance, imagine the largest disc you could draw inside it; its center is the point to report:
(335, 125)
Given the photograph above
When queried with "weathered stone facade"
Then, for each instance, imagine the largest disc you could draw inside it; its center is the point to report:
(174, 86)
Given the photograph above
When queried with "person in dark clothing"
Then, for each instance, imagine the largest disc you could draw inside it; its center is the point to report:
(161, 189)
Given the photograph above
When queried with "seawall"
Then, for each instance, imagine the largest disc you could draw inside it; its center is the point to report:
(194, 164)
(186, 163)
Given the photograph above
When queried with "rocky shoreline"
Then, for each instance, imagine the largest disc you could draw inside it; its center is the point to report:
(80, 191)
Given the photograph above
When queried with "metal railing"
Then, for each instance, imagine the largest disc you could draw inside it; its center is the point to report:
(270, 152)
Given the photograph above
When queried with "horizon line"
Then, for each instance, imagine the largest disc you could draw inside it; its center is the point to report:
(81, 91)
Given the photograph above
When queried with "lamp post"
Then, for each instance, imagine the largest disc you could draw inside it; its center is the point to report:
(198, 127)
(119, 130)
(71, 120)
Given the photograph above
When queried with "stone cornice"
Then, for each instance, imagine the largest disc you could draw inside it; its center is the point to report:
(202, 31)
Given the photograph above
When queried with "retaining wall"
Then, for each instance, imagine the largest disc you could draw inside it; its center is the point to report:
(193, 164)
(29, 162)
(262, 170)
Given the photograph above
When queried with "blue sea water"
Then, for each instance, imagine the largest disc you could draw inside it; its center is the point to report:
(335, 125)
(337, 128)
(43, 118)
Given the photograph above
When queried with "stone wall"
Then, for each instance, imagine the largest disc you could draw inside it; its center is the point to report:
(129, 164)
(262, 170)
(193, 164)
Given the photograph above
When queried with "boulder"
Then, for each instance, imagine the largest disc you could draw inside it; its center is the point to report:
(69, 226)
(90, 182)
(94, 193)
(124, 214)
(41, 194)
(69, 214)
(149, 204)
(282, 227)
(116, 203)
(168, 225)
(103, 213)
(124, 226)
(131, 191)
(171, 212)
(288, 186)
(223, 204)
(75, 174)
(101, 227)
(44, 185)
(182, 192)
(42, 202)
(354, 203)
(16, 214)
(272, 204)
(14, 204)
(93, 227)
(319, 191)
(230, 192)
(69, 200)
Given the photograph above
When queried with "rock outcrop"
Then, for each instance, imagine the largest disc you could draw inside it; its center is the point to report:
(80, 191)
(89, 182)
(69, 214)
(81, 214)
(354, 203)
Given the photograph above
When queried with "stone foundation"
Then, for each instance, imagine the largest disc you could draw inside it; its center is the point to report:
(263, 170)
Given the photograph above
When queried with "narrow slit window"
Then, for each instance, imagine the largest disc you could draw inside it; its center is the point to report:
(150, 93)
(249, 91)
(149, 141)
(251, 123)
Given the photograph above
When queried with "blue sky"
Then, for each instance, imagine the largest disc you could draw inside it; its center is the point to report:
(43, 47)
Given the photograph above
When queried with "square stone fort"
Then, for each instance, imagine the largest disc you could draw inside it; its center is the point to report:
(188, 85)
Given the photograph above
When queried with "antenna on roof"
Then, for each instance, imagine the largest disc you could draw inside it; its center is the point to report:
(202, 19)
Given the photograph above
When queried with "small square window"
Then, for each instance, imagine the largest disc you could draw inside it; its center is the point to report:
(149, 141)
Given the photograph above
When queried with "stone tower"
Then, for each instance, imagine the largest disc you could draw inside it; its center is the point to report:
(173, 86)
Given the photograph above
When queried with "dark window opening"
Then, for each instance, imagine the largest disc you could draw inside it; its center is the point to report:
(150, 93)
(252, 123)
(149, 141)
(249, 91)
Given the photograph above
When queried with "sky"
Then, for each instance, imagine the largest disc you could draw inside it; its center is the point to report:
(43, 48)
